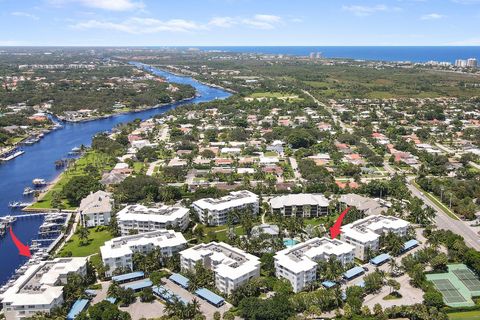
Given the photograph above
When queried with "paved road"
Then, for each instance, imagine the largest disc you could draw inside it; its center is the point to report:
(296, 172)
(445, 222)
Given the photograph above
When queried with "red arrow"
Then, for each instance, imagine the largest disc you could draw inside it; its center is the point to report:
(23, 250)
(335, 230)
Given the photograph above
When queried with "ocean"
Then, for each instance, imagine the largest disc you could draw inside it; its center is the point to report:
(413, 54)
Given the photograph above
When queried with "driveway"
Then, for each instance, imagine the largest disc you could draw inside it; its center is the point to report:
(207, 309)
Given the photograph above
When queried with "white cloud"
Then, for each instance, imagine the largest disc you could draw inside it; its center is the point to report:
(223, 22)
(432, 16)
(263, 21)
(467, 1)
(363, 11)
(465, 42)
(136, 25)
(141, 25)
(111, 5)
(24, 15)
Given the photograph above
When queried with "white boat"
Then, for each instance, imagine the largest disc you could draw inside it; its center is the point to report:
(39, 182)
(18, 204)
(27, 191)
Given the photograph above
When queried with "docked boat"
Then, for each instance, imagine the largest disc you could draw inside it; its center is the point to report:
(5, 223)
(28, 191)
(12, 154)
(18, 204)
(39, 182)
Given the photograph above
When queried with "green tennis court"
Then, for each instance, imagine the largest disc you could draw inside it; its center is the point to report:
(468, 278)
(449, 292)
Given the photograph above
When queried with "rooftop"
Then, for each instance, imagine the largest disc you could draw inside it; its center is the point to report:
(41, 283)
(228, 261)
(234, 199)
(97, 202)
(160, 214)
(300, 199)
(122, 246)
(370, 228)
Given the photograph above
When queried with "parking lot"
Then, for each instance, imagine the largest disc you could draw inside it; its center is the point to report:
(207, 309)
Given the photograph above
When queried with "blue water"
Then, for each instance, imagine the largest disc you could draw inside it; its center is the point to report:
(38, 162)
(413, 54)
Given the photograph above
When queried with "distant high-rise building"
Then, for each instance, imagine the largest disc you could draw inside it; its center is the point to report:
(319, 55)
(460, 63)
(312, 55)
(472, 62)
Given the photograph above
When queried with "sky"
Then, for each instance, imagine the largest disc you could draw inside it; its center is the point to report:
(239, 22)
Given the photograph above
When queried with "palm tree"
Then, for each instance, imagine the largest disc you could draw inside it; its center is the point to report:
(392, 263)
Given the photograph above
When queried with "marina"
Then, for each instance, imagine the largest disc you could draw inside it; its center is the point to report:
(12, 154)
(50, 233)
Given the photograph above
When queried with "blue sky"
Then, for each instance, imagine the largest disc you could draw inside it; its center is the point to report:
(239, 22)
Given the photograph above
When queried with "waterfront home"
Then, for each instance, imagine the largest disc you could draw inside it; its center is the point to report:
(40, 288)
(96, 209)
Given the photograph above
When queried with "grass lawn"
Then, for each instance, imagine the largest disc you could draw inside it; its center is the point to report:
(271, 154)
(98, 160)
(138, 166)
(222, 235)
(468, 315)
(96, 239)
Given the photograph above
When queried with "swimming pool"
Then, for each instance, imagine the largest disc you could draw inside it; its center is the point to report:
(289, 242)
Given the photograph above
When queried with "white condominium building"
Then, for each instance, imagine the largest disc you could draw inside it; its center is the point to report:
(96, 208)
(40, 288)
(365, 233)
(298, 264)
(232, 266)
(144, 219)
(215, 211)
(118, 252)
(300, 205)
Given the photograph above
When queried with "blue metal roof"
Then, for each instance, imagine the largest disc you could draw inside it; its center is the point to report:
(353, 272)
(139, 285)
(111, 299)
(129, 276)
(167, 294)
(410, 244)
(210, 296)
(328, 284)
(181, 280)
(77, 307)
(380, 259)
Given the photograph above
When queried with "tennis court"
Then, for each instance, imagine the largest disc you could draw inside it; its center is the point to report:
(449, 292)
(468, 278)
(457, 286)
